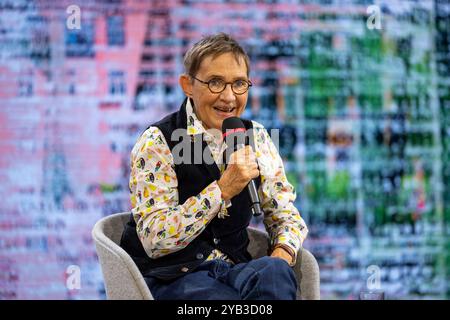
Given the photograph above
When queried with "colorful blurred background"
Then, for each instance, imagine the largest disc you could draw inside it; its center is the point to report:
(364, 113)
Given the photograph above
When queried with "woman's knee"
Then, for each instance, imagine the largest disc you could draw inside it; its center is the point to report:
(273, 263)
(277, 278)
(278, 267)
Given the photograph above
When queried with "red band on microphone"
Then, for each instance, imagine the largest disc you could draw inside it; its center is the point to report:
(231, 131)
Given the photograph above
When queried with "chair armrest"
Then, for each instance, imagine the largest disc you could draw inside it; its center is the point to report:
(308, 275)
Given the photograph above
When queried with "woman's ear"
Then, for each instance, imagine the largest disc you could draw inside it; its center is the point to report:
(186, 84)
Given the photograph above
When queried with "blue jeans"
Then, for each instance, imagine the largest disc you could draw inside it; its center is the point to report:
(266, 278)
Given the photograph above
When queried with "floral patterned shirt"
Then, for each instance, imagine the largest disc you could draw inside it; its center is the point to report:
(164, 225)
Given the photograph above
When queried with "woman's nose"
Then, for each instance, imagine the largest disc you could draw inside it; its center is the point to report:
(227, 94)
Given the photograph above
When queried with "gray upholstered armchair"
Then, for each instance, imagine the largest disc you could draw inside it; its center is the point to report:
(123, 279)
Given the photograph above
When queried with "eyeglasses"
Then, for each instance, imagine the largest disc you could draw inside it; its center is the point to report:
(217, 85)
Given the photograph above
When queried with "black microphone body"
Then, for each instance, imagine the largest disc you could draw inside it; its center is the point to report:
(254, 197)
(234, 130)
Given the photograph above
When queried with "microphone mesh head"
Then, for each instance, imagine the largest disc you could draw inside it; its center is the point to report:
(232, 123)
(234, 134)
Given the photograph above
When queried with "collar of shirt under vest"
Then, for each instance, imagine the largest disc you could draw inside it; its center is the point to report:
(195, 127)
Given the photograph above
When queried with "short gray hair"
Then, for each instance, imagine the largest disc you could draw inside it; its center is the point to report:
(213, 45)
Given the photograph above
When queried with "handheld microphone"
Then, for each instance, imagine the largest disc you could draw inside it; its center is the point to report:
(234, 133)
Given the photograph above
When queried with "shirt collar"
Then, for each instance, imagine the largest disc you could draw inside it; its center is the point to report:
(194, 125)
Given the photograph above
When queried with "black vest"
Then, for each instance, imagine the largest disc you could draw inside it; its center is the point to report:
(229, 235)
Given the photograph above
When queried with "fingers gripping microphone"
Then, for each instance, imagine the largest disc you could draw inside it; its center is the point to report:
(234, 133)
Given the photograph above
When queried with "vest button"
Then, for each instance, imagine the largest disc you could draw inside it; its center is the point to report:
(199, 256)
(216, 241)
(185, 269)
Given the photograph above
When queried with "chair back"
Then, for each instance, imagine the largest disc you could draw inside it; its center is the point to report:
(123, 280)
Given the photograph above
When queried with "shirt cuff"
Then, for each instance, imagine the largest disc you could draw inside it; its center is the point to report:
(221, 205)
(214, 195)
(289, 250)
(286, 242)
